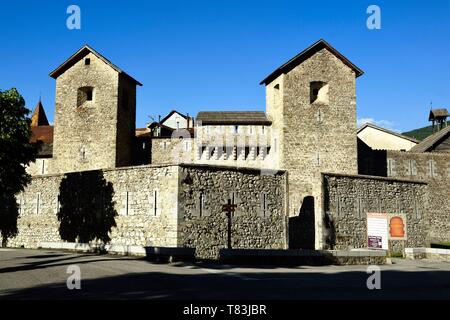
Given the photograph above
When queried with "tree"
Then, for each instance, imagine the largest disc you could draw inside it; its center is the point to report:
(16, 152)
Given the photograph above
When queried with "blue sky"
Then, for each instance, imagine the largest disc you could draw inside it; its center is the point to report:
(211, 55)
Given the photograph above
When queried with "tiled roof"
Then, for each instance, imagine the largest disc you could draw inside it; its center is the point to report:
(140, 132)
(370, 125)
(44, 136)
(79, 55)
(436, 113)
(233, 118)
(430, 142)
(39, 117)
(42, 133)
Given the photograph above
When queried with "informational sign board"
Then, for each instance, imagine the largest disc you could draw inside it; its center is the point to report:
(377, 230)
(397, 226)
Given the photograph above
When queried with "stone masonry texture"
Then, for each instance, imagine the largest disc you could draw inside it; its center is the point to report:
(348, 199)
(316, 137)
(160, 206)
(259, 220)
(433, 168)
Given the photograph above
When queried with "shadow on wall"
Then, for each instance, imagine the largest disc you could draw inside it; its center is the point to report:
(142, 151)
(86, 207)
(302, 227)
(9, 213)
(371, 162)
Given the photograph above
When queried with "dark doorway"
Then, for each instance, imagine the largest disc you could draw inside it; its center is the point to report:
(302, 227)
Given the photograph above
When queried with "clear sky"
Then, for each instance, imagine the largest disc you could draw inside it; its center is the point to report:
(211, 55)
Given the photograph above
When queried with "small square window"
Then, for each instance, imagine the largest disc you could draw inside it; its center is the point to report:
(84, 94)
(87, 61)
(319, 92)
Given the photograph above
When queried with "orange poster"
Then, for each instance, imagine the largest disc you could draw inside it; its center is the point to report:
(397, 226)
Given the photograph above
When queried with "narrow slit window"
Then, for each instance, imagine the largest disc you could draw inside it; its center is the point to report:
(38, 203)
(264, 205)
(20, 204)
(43, 167)
(87, 61)
(155, 202)
(391, 167)
(83, 156)
(202, 204)
(58, 203)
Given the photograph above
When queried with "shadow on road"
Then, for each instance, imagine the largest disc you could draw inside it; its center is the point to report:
(47, 263)
(245, 286)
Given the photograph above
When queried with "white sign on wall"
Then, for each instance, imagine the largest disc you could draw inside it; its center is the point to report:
(377, 230)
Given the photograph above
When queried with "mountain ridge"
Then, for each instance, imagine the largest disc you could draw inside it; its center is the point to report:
(421, 133)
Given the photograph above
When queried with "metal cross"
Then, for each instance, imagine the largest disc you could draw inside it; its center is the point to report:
(229, 208)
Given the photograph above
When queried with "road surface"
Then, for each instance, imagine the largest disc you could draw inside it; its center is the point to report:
(41, 274)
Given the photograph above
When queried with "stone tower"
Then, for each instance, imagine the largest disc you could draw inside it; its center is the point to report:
(95, 114)
(311, 101)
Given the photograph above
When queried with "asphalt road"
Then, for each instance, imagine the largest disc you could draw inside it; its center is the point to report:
(33, 274)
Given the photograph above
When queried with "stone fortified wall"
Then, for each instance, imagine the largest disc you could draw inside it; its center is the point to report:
(172, 150)
(260, 217)
(139, 221)
(348, 198)
(162, 206)
(433, 168)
